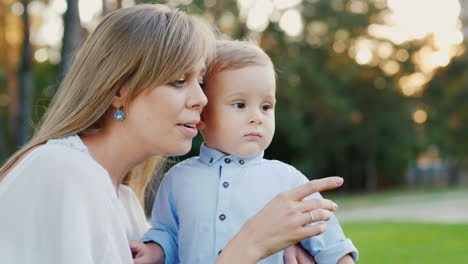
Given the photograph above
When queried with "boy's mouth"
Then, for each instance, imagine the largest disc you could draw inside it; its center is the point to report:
(253, 134)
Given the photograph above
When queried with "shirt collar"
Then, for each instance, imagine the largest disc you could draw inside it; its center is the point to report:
(211, 157)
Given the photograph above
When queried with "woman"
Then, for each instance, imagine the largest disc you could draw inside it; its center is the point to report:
(133, 92)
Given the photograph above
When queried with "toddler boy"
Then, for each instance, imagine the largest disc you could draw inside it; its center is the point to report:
(203, 201)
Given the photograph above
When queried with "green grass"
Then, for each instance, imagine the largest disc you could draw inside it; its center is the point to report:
(408, 194)
(408, 243)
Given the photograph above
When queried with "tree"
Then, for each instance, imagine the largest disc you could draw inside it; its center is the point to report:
(8, 58)
(334, 115)
(72, 36)
(445, 101)
(26, 84)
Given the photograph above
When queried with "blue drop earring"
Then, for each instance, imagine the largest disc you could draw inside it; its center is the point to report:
(119, 115)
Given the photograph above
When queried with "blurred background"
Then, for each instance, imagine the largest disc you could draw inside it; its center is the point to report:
(371, 90)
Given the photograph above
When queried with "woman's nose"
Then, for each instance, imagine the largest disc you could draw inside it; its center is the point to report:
(198, 98)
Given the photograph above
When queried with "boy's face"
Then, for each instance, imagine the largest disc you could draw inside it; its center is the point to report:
(239, 118)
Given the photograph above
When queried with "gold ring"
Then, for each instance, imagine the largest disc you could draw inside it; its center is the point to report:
(312, 216)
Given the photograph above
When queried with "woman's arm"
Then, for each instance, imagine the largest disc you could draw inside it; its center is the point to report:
(281, 223)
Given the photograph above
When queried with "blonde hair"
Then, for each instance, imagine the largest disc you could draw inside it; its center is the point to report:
(142, 46)
(235, 54)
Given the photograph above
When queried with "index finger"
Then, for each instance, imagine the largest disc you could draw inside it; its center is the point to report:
(308, 188)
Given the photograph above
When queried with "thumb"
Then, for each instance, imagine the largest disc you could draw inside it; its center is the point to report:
(135, 246)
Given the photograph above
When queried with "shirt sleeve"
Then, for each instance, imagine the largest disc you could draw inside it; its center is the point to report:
(164, 222)
(54, 210)
(137, 224)
(332, 245)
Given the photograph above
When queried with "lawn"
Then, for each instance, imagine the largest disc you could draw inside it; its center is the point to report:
(408, 243)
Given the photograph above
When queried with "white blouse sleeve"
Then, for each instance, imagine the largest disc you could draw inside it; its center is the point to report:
(136, 222)
(55, 208)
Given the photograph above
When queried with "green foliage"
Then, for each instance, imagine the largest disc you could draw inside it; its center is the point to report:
(46, 79)
(337, 117)
(445, 99)
(334, 117)
(393, 242)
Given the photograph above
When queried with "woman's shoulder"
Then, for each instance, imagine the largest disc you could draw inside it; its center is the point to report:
(59, 157)
(57, 162)
(56, 170)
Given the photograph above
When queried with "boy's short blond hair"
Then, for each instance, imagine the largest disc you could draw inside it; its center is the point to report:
(235, 54)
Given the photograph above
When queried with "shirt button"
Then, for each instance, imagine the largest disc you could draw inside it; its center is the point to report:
(211, 160)
(222, 217)
(241, 162)
(227, 160)
(225, 184)
(219, 252)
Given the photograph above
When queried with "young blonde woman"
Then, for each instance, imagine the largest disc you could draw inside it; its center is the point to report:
(133, 92)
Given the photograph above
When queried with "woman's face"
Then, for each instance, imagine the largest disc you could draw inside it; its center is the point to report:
(163, 119)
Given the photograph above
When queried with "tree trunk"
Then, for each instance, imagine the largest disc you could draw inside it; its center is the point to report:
(26, 87)
(105, 8)
(371, 170)
(8, 121)
(453, 172)
(71, 36)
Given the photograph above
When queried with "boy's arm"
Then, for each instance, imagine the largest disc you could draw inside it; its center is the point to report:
(164, 223)
(296, 254)
(149, 253)
(331, 246)
(346, 260)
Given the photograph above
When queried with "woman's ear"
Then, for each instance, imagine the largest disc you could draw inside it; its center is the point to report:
(119, 98)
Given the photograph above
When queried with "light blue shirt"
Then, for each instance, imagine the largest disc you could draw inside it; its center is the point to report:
(203, 202)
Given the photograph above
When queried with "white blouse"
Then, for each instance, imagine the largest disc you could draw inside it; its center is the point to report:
(135, 218)
(58, 205)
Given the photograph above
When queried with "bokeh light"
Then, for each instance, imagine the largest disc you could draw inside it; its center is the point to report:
(420, 116)
(291, 22)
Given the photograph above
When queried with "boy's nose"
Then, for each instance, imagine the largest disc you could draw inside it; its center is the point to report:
(256, 119)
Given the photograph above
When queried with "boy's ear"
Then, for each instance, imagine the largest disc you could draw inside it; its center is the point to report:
(118, 99)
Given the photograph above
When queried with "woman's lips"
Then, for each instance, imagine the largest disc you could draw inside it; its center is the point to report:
(190, 131)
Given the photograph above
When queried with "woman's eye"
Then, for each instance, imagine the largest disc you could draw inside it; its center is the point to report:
(178, 83)
(266, 107)
(239, 105)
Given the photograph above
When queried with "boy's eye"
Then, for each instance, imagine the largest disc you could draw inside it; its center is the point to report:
(239, 105)
(266, 107)
(201, 82)
(178, 83)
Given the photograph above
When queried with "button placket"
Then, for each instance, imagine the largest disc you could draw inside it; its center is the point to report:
(226, 175)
